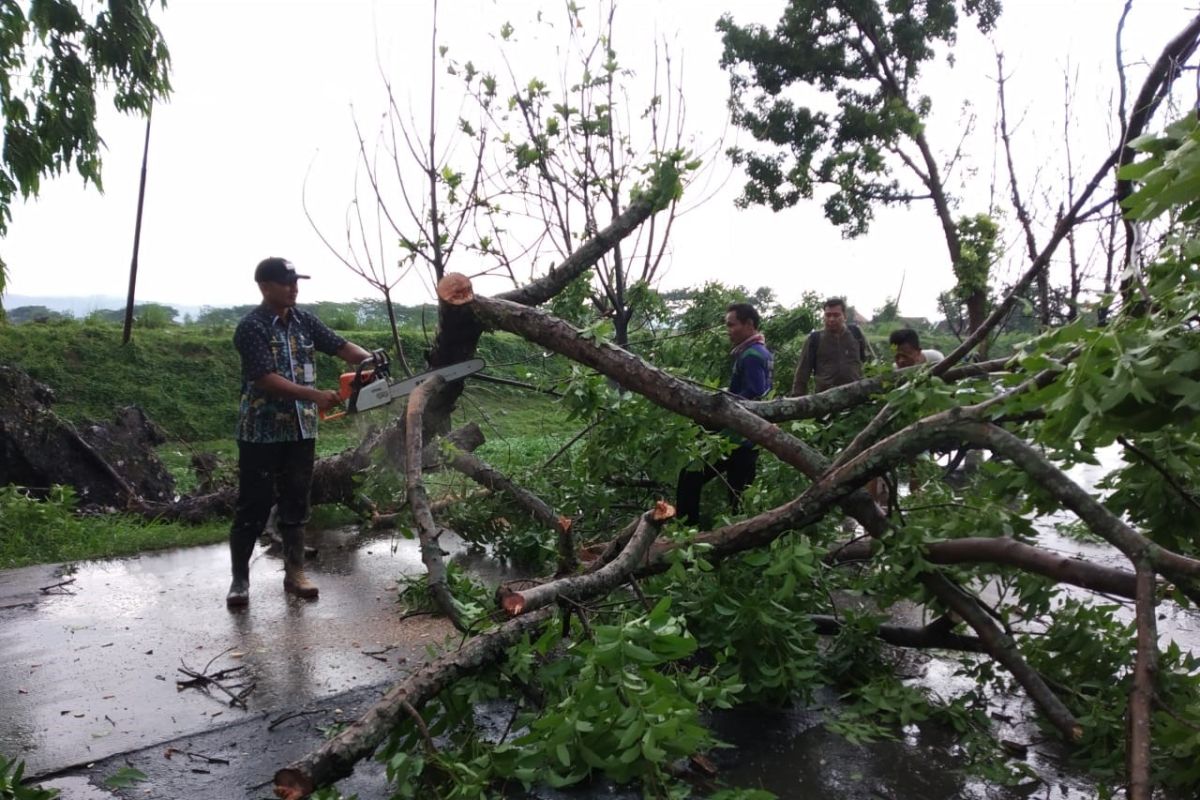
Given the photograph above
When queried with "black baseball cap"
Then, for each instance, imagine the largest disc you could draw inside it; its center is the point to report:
(276, 270)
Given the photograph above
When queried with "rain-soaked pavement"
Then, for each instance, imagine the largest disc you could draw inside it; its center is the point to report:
(90, 667)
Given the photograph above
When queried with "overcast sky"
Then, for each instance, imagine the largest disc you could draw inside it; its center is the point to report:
(264, 93)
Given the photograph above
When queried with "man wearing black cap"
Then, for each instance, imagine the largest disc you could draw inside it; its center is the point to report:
(277, 423)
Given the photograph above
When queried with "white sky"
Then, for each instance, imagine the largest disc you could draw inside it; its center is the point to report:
(264, 89)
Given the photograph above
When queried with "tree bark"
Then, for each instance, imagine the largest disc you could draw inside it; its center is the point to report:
(335, 759)
(601, 581)
(418, 501)
(1141, 698)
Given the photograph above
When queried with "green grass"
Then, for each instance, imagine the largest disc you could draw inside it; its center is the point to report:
(50, 531)
(186, 378)
(522, 428)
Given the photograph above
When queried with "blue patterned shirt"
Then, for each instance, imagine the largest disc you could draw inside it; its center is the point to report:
(267, 344)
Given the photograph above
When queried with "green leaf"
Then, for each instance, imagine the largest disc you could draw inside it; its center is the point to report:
(124, 778)
(638, 653)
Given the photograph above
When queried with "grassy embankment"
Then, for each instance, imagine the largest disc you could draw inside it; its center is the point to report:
(186, 378)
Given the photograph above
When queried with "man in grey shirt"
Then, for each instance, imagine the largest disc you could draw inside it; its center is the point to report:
(833, 356)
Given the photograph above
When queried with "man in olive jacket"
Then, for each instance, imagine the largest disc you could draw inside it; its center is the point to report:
(833, 356)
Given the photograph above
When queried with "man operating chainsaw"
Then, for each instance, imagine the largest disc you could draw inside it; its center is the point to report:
(277, 423)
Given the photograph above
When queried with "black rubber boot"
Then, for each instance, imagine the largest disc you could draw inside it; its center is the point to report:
(295, 582)
(239, 558)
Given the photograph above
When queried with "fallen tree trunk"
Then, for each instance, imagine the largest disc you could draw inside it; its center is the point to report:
(418, 501)
(336, 758)
(336, 479)
(717, 410)
(1012, 553)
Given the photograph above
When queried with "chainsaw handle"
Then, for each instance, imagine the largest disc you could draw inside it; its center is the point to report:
(369, 369)
(373, 367)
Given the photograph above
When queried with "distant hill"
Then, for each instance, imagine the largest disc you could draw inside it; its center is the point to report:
(82, 306)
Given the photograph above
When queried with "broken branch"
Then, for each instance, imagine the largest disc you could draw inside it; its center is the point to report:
(418, 501)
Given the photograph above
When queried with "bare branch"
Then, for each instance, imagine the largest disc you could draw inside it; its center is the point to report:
(1141, 698)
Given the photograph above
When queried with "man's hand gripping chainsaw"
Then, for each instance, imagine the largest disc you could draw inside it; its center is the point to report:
(369, 386)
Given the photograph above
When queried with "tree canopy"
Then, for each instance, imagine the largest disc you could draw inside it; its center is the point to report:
(863, 59)
(58, 59)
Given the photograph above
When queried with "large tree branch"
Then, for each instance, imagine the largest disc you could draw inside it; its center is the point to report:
(459, 331)
(1002, 648)
(708, 408)
(850, 395)
(584, 258)
(484, 474)
(335, 759)
(418, 501)
(715, 409)
(1008, 552)
(1183, 571)
(963, 424)
(600, 581)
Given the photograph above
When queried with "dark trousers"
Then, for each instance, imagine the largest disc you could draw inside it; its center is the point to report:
(280, 474)
(738, 468)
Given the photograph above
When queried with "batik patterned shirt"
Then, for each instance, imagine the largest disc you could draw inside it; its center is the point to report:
(268, 344)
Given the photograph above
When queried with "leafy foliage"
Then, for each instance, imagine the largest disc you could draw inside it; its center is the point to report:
(53, 56)
(1169, 174)
(865, 57)
(11, 787)
(613, 704)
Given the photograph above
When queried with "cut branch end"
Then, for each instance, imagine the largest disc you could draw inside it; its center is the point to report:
(455, 289)
(292, 784)
(512, 602)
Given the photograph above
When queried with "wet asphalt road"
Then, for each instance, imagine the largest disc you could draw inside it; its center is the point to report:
(90, 668)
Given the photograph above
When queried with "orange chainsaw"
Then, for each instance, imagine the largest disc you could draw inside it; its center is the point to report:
(369, 386)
